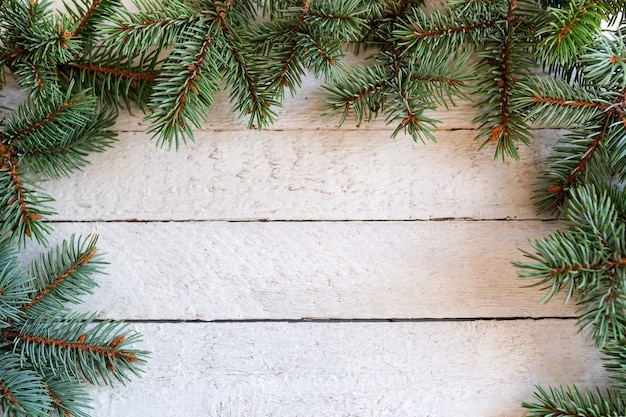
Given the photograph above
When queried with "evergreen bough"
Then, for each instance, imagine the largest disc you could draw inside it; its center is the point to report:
(48, 352)
(524, 62)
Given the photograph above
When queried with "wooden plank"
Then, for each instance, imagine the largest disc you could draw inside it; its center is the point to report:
(294, 270)
(301, 176)
(481, 369)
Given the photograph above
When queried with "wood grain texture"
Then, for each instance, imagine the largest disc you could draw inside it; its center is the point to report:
(470, 369)
(294, 270)
(301, 176)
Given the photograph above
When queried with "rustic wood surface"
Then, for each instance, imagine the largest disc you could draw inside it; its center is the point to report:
(311, 271)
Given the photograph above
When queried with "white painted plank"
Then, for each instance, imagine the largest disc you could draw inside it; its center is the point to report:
(293, 270)
(471, 369)
(301, 176)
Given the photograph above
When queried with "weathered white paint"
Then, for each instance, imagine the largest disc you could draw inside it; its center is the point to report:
(293, 270)
(470, 369)
(301, 176)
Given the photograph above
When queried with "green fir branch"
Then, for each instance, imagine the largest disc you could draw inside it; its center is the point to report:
(14, 287)
(67, 397)
(35, 126)
(571, 402)
(88, 16)
(75, 346)
(448, 31)
(604, 63)
(343, 20)
(363, 93)
(191, 78)
(48, 352)
(22, 204)
(570, 158)
(566, 32)
(156, 24)
(615, 364)
(22, 391)
(407, 110)
(62, 276)
(247, 93)
(554, 102)
(69, 152)
(587, 261)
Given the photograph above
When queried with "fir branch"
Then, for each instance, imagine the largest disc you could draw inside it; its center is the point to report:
(556, 103)
(248, 97)
(86, 17)
(156, 24)
(407, 110)
(604, 63)
(69, 153)
(503, 60)
(133, 76)
(116, 79)
(587, 260)
(47, 352)
(51, 115)
(90, 15)
(36, 78)
(571, 402)
(20, 199)
(568, 31)
(190, 80)
(22, 391)
(77, 347)
(22, 206)
(62, 276)
(33, 125)
(14, 287)
(443, 79)
(420, 34)
(285, 76)
(363, 95)
(344, 20)
(67, 397)
(615, 364)
(600, 266)
(322, 56)
(568, 161)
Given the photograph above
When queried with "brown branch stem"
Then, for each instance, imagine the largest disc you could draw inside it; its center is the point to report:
(82, 260)
(85, 19)
(595, 267)
(560, 189)
(134, 76)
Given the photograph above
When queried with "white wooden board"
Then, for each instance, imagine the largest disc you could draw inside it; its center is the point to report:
(470, 369)
(295, 270)
(251, 175)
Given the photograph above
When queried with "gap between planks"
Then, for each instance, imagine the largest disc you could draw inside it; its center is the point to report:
(266, 220)
(353, 320)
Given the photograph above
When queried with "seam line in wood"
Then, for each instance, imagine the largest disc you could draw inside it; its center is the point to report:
(263, 220)
(354, 320)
